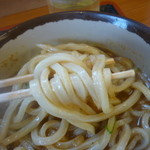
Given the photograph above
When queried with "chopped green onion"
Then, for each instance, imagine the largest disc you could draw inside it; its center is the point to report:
(110, 125)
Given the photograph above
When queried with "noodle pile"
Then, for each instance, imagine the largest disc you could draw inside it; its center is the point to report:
(76, 105)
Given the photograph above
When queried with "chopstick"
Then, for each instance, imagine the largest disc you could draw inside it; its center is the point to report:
(16, 80)
(26, 92)
(26, 78)
(123, 74)
(23, 93)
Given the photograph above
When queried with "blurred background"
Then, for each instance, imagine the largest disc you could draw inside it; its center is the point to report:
(13, 12)
(8, 7)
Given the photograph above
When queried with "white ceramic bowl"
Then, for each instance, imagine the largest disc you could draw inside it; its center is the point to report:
(123, 36)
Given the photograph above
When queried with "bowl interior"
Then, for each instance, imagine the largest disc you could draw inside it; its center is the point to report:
(111, 32)
(123, 37)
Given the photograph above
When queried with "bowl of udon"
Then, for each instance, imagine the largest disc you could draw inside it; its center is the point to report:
(75, 81)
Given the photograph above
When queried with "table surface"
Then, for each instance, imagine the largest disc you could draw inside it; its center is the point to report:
(138, 10)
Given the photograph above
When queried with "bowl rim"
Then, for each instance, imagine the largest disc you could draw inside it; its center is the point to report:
(131, 25)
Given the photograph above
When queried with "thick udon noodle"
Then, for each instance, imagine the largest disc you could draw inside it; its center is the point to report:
(76, 105)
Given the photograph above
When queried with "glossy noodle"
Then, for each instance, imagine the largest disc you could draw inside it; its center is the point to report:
(76, 104)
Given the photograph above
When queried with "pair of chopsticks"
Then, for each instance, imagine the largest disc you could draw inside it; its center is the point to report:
(26, 78)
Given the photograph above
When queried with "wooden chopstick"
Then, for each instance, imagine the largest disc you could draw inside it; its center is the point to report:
(123, 74)
(23, 93)
(16, 80)
(26, 78)
(26, 92)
